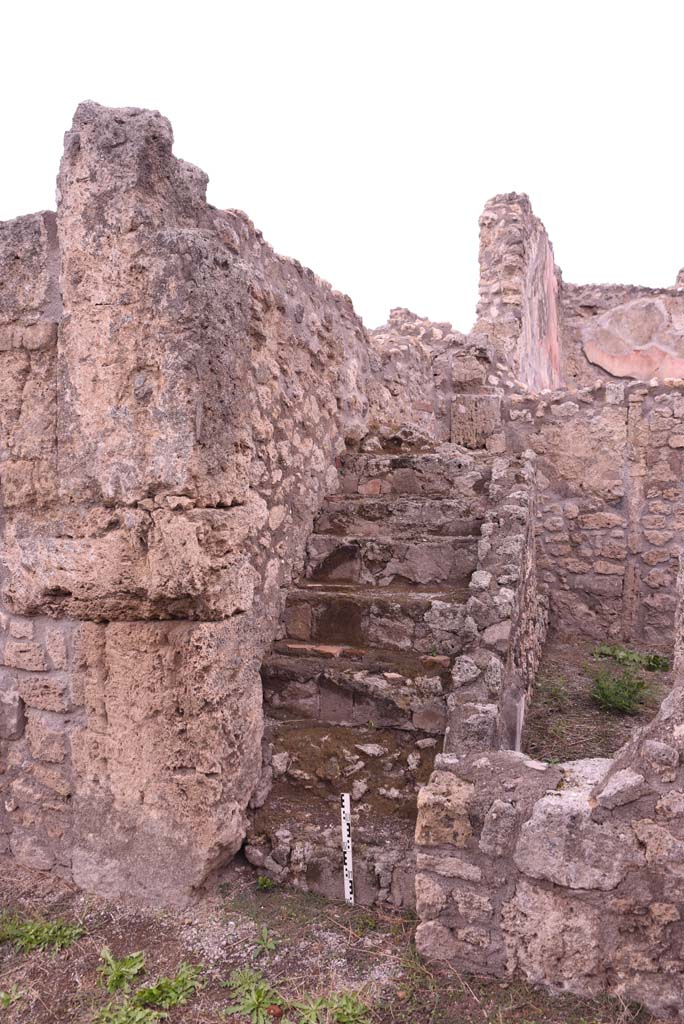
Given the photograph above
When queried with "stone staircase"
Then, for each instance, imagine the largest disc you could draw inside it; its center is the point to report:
(355, 691)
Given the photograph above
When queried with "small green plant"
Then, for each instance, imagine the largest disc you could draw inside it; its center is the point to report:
(265, 943)
(623, 656)
(623, 694)
(312, 1010)
(347, 1008)
(28, 935)
(337, 1008)
(254, 996)
(168, 992)
(10, 997)
(242, 979)
(116, 975)
(265, 884)
(127, 1013)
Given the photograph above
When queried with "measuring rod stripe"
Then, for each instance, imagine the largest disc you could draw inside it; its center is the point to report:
(347, 865)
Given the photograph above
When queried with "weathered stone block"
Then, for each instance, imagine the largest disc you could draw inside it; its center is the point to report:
(443, 811)
(499, 829)
(561, 844)
(32, 850)
(24, 654)
(12, 718)
(46, 738)
(435, 941)
(47, 693)
(553, 940)
(474, 418)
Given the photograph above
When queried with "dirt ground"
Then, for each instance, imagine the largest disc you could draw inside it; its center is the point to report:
(563, 723)
(313, 948)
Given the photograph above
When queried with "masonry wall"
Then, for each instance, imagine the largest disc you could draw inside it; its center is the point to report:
(611, 504)
(409, 382)
(509, 615)
(567, 874)
(175, 396)
(552, 334)
(621, 331)
(518, 308)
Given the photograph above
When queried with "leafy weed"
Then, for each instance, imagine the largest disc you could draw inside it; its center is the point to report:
(254, 996)
(116, 975)
(623, 656)
(10, 997)
(265, 943)
(29, 935)
(127, 1013)
(169, 992)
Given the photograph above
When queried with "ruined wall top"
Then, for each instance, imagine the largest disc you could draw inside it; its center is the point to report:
(519, 286)
(553, 334)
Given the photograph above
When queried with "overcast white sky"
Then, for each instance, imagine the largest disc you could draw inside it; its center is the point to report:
(363, 138)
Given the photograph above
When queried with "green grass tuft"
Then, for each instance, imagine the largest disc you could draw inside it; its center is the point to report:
(266, 943)
(622, 694)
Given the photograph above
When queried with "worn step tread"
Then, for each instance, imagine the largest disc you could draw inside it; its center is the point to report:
(400, 517)
(382, 562)
(364, 593)
(398, 499)
(362, 659)
(428, 539)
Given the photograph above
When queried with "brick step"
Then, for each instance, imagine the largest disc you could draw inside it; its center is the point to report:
(401, 517)
(442, 473)
(429, 621)
(295, 836)
(383, 561)
(380, 689)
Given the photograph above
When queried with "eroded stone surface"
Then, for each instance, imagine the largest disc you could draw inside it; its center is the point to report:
(175, 402)
(175, 397)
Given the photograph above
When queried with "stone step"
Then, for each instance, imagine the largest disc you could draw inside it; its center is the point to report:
(429, 621)
(379, 689)
(381, 562)
(295, 837)
(401, 517)
(375, 658)
(443, 473)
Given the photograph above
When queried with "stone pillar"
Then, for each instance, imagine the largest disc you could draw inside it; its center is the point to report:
(175, 396)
